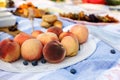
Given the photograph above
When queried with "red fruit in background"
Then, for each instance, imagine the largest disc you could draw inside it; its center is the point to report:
(94, 1)
(55, 30)
(21, 37)
(36, 33)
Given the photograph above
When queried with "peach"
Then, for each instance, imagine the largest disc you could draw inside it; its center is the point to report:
(21, 37)
(54, 52)
(71, 47)
(47, 37)
(36, 33)
(55, 30)
(31, 49)
(81, 32)
(63, 34)
(9, 50)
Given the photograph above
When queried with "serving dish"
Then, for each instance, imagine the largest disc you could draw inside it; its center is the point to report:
(86, 50)
(90, 19)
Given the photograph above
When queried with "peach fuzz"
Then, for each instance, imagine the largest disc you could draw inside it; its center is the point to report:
(47, 37)
(35, 33)
(55, 30)
(21, 37)
(81, 32)
(31, 49)
(9, 50)
(54, 52)
(71, 47)
(63, 34)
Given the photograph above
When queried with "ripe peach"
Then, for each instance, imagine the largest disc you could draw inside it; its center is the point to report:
(21, 37)
(71, 47)
(9, 50)
(47, 37)
(81, 32)
(63, 34)
(55, 30)
(31, 49)
(36, 33)
(54, 52)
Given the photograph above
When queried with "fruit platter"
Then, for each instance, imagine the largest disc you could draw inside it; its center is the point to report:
(46, 49)
(23, 10)
(89, 19)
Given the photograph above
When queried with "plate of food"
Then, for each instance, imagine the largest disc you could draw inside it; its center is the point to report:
(47, 51)
(90, 19)
(24, 10)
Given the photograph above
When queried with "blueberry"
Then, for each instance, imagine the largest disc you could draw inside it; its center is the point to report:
(34, 63)
(12, 28)
(73, 71)
(25, 62)
(43, 61)
(113, 51)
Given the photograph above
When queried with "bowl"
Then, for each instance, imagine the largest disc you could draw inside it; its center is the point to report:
(7, 19)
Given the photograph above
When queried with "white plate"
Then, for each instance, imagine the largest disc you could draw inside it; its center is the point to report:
(88, 23)
(86, 50)
(115, 15)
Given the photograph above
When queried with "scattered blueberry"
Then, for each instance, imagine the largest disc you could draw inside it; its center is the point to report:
(73, 71)
(25, 62)
(34, 63)
(43, 61)
(113, 51)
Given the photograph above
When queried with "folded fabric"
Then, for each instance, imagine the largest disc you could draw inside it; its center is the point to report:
(111, 74)
(88, 69)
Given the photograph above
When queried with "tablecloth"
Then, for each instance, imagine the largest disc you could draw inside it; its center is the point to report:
(92, 68)
(102, 65)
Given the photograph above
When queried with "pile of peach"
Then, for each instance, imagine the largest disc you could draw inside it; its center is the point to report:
(54, 44)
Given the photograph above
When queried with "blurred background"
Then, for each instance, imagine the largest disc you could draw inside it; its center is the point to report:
(4, 3)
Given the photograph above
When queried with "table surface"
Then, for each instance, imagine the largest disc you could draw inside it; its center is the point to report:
(101, 65)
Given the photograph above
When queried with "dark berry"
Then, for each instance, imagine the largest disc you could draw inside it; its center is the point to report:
(79, 46)
(12, 28)
(34, 63)
(73, 71)
(75, 17)
(43, 61)
(11, 11)
(25, 62)
(16, 23)
(93, 18)
(113, 51)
